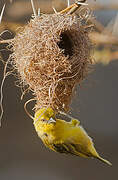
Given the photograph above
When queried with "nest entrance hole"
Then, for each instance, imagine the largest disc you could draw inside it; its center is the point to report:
(66, 44)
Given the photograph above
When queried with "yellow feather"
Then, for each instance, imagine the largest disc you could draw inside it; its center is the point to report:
(64, 137)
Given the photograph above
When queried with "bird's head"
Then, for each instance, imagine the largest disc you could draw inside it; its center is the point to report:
(44, 120)
(44, 114)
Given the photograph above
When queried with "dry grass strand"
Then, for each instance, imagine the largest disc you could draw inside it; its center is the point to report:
(52, 56)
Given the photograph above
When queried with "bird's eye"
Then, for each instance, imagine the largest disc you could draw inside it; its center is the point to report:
(44, 120)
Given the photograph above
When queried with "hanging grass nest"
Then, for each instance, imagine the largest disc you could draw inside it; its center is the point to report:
(52, 55)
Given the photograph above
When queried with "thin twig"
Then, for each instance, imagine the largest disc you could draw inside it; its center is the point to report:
(1, 90)
(6, 41)
(68, 3)
(1, 15)
(25, 107)
(98, 25)
(39, 11)
(55, 11)
(72, 8)
(33, 8)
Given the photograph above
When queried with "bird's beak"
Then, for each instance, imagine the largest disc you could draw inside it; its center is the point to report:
(51, 120)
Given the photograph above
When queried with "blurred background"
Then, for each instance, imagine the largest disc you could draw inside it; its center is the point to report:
(22, 154)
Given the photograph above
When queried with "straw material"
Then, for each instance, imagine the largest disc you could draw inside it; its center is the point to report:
(52, 55)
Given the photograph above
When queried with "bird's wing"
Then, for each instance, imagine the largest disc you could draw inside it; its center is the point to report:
(68, 148)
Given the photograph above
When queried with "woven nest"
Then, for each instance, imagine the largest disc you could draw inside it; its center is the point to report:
(52, 55)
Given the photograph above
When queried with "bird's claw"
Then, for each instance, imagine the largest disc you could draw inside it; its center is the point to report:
(75, 122)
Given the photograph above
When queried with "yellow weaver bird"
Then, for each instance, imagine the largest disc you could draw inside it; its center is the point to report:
(64, 137)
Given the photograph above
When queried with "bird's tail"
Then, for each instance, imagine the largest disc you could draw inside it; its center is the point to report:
(104, 160)
(96, 155)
